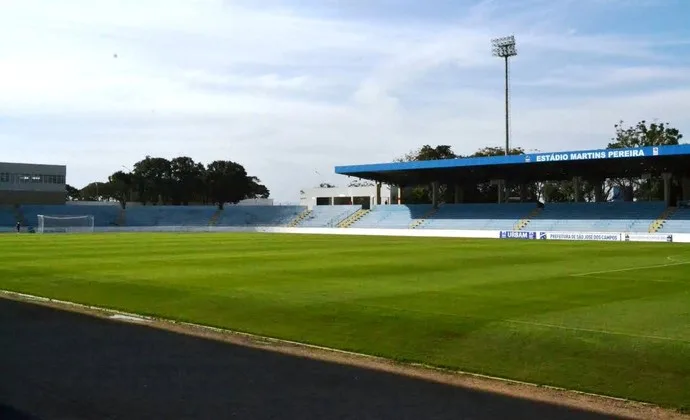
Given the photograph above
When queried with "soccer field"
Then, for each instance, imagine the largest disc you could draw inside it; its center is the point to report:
(609, 318)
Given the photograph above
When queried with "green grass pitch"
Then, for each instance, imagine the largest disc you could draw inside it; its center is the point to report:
(609, 318)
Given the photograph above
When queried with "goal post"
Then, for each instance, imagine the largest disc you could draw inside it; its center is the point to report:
(65, 224)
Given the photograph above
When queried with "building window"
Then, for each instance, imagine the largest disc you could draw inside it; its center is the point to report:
(13, 178)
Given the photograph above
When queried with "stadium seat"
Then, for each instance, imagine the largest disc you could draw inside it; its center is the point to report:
(328, 216)
(597, 217)
(678, 222)
(104, 215)
(169, 215)
(478, 216)
(392, 216)
(259, 215)
(7, 219)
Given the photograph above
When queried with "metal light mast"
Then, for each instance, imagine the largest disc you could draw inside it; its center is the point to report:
(505, 48)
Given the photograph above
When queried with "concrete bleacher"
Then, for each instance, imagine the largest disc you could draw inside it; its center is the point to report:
(7, 218)
(678, 222)
(597, 217)
(143, 216)
(478, 216)
(103, 215)
(392, 216)
(582, 217)
(328, 216)
(169, 215)
(259, 215)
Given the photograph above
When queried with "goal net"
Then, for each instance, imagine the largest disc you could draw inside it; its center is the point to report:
(64, 224)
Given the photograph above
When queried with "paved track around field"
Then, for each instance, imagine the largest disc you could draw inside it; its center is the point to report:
(63, 365)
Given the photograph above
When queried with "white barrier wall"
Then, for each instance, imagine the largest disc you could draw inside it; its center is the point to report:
(681, 237)
(432, 233)
(495, 234)
(486, 234)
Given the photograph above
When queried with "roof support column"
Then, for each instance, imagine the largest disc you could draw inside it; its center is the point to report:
(577, 189)
(399, 194)
(459, 194)
(667, 176)
(523, 192)
(501, 186)
(434, 194)
(598, 192)
(378, 194)
(685, 187)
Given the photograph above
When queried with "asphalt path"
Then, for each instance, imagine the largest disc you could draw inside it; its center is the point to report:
(62, 365)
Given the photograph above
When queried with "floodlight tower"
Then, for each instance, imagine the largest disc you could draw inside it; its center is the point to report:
(505, 48)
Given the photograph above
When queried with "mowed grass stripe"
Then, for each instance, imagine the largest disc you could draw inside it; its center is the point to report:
(508, 308)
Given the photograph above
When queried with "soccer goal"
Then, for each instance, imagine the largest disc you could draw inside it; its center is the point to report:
(64, 224)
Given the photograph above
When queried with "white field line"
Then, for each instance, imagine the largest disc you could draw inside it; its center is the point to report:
(609, 278)
(592, 330)
(620, 270)
(536, 324)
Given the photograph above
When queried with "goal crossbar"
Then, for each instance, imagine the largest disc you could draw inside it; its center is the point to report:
(65, 224)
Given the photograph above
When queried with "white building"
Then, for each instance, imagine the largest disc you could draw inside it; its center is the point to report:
(364, 196)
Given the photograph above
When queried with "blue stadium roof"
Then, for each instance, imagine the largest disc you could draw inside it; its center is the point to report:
(533, 166)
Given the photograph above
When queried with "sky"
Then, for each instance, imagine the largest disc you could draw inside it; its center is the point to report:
(292, 88)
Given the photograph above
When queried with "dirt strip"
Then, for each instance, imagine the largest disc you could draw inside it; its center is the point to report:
(515, 389)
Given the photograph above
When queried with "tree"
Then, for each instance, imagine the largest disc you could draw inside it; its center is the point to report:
(153, 179)
(497, 151)
(227, 182)
(120, 185)
(179, 181)
(481, 193)
(487, 193)
(187, 181)
(421, 194)
(95, 191)
(642, 134)
(256, 189)
(427, 152)
(73, 194)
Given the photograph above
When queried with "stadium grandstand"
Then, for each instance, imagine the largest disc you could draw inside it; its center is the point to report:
(36, 192)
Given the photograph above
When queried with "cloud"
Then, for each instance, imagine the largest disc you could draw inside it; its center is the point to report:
(592, 77)
(291, 89)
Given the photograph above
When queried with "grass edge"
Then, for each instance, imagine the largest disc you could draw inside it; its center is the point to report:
(603, 404)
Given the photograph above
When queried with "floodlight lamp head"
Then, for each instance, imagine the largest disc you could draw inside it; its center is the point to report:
(504, 47)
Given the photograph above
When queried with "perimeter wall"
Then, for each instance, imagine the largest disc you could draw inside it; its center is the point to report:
(485, 234)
